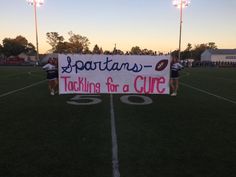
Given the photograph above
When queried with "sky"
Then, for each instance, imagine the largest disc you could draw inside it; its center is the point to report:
(151, 24)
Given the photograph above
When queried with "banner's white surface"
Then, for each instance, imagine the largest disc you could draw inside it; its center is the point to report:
(96, 74)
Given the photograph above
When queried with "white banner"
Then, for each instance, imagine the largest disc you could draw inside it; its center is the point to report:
(96, 74)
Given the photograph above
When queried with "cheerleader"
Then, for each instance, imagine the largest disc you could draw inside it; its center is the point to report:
(174, 75)
(51, 70)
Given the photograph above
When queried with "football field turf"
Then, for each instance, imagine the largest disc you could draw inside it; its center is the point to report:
(193, 134)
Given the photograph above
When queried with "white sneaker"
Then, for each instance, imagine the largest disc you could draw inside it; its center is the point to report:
(52, 93)
(173, 94)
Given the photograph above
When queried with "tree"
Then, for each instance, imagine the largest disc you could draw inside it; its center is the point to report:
(189, 47)
(187, 53)
(175, 53)
(79, 43)
(212, 45)
(135, 51)
(107, 52)
(21, 40)
(63, 47)
(147, 52)
(76, 43)
(119, 52)
(194, 53)
(87, 51)
(114, 52)
(16, 46)
(198, 50)
(101, 50)
(54, 39)
(31, 48)
(96, 50)
(1, 49)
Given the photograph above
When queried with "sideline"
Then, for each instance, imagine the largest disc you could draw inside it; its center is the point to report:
(208, 93)
(14, 91)
(115, 160)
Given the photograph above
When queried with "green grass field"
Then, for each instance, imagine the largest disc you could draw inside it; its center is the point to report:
(192, 135)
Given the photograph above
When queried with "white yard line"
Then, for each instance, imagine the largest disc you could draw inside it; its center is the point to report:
(14, 91)
(115, 160)
(208, 93)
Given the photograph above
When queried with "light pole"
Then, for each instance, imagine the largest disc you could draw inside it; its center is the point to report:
(180, 4)
(36, 3)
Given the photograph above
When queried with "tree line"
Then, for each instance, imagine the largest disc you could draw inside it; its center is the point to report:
(195, 52)
(16, 46)
(80, 44)
(77, 43)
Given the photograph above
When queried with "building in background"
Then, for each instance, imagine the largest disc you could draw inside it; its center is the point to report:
(28, 57)
(219, 55)
(21, 59)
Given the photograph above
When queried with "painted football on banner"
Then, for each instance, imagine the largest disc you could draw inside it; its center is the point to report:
(161, 65)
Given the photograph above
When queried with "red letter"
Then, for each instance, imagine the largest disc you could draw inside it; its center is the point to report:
(161, 81)
(65, 81)
(136, 84)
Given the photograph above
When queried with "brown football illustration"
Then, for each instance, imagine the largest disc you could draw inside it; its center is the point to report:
(161, 65)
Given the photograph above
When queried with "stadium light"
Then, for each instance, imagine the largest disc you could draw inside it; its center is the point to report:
(180, 4)
(36, 3)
